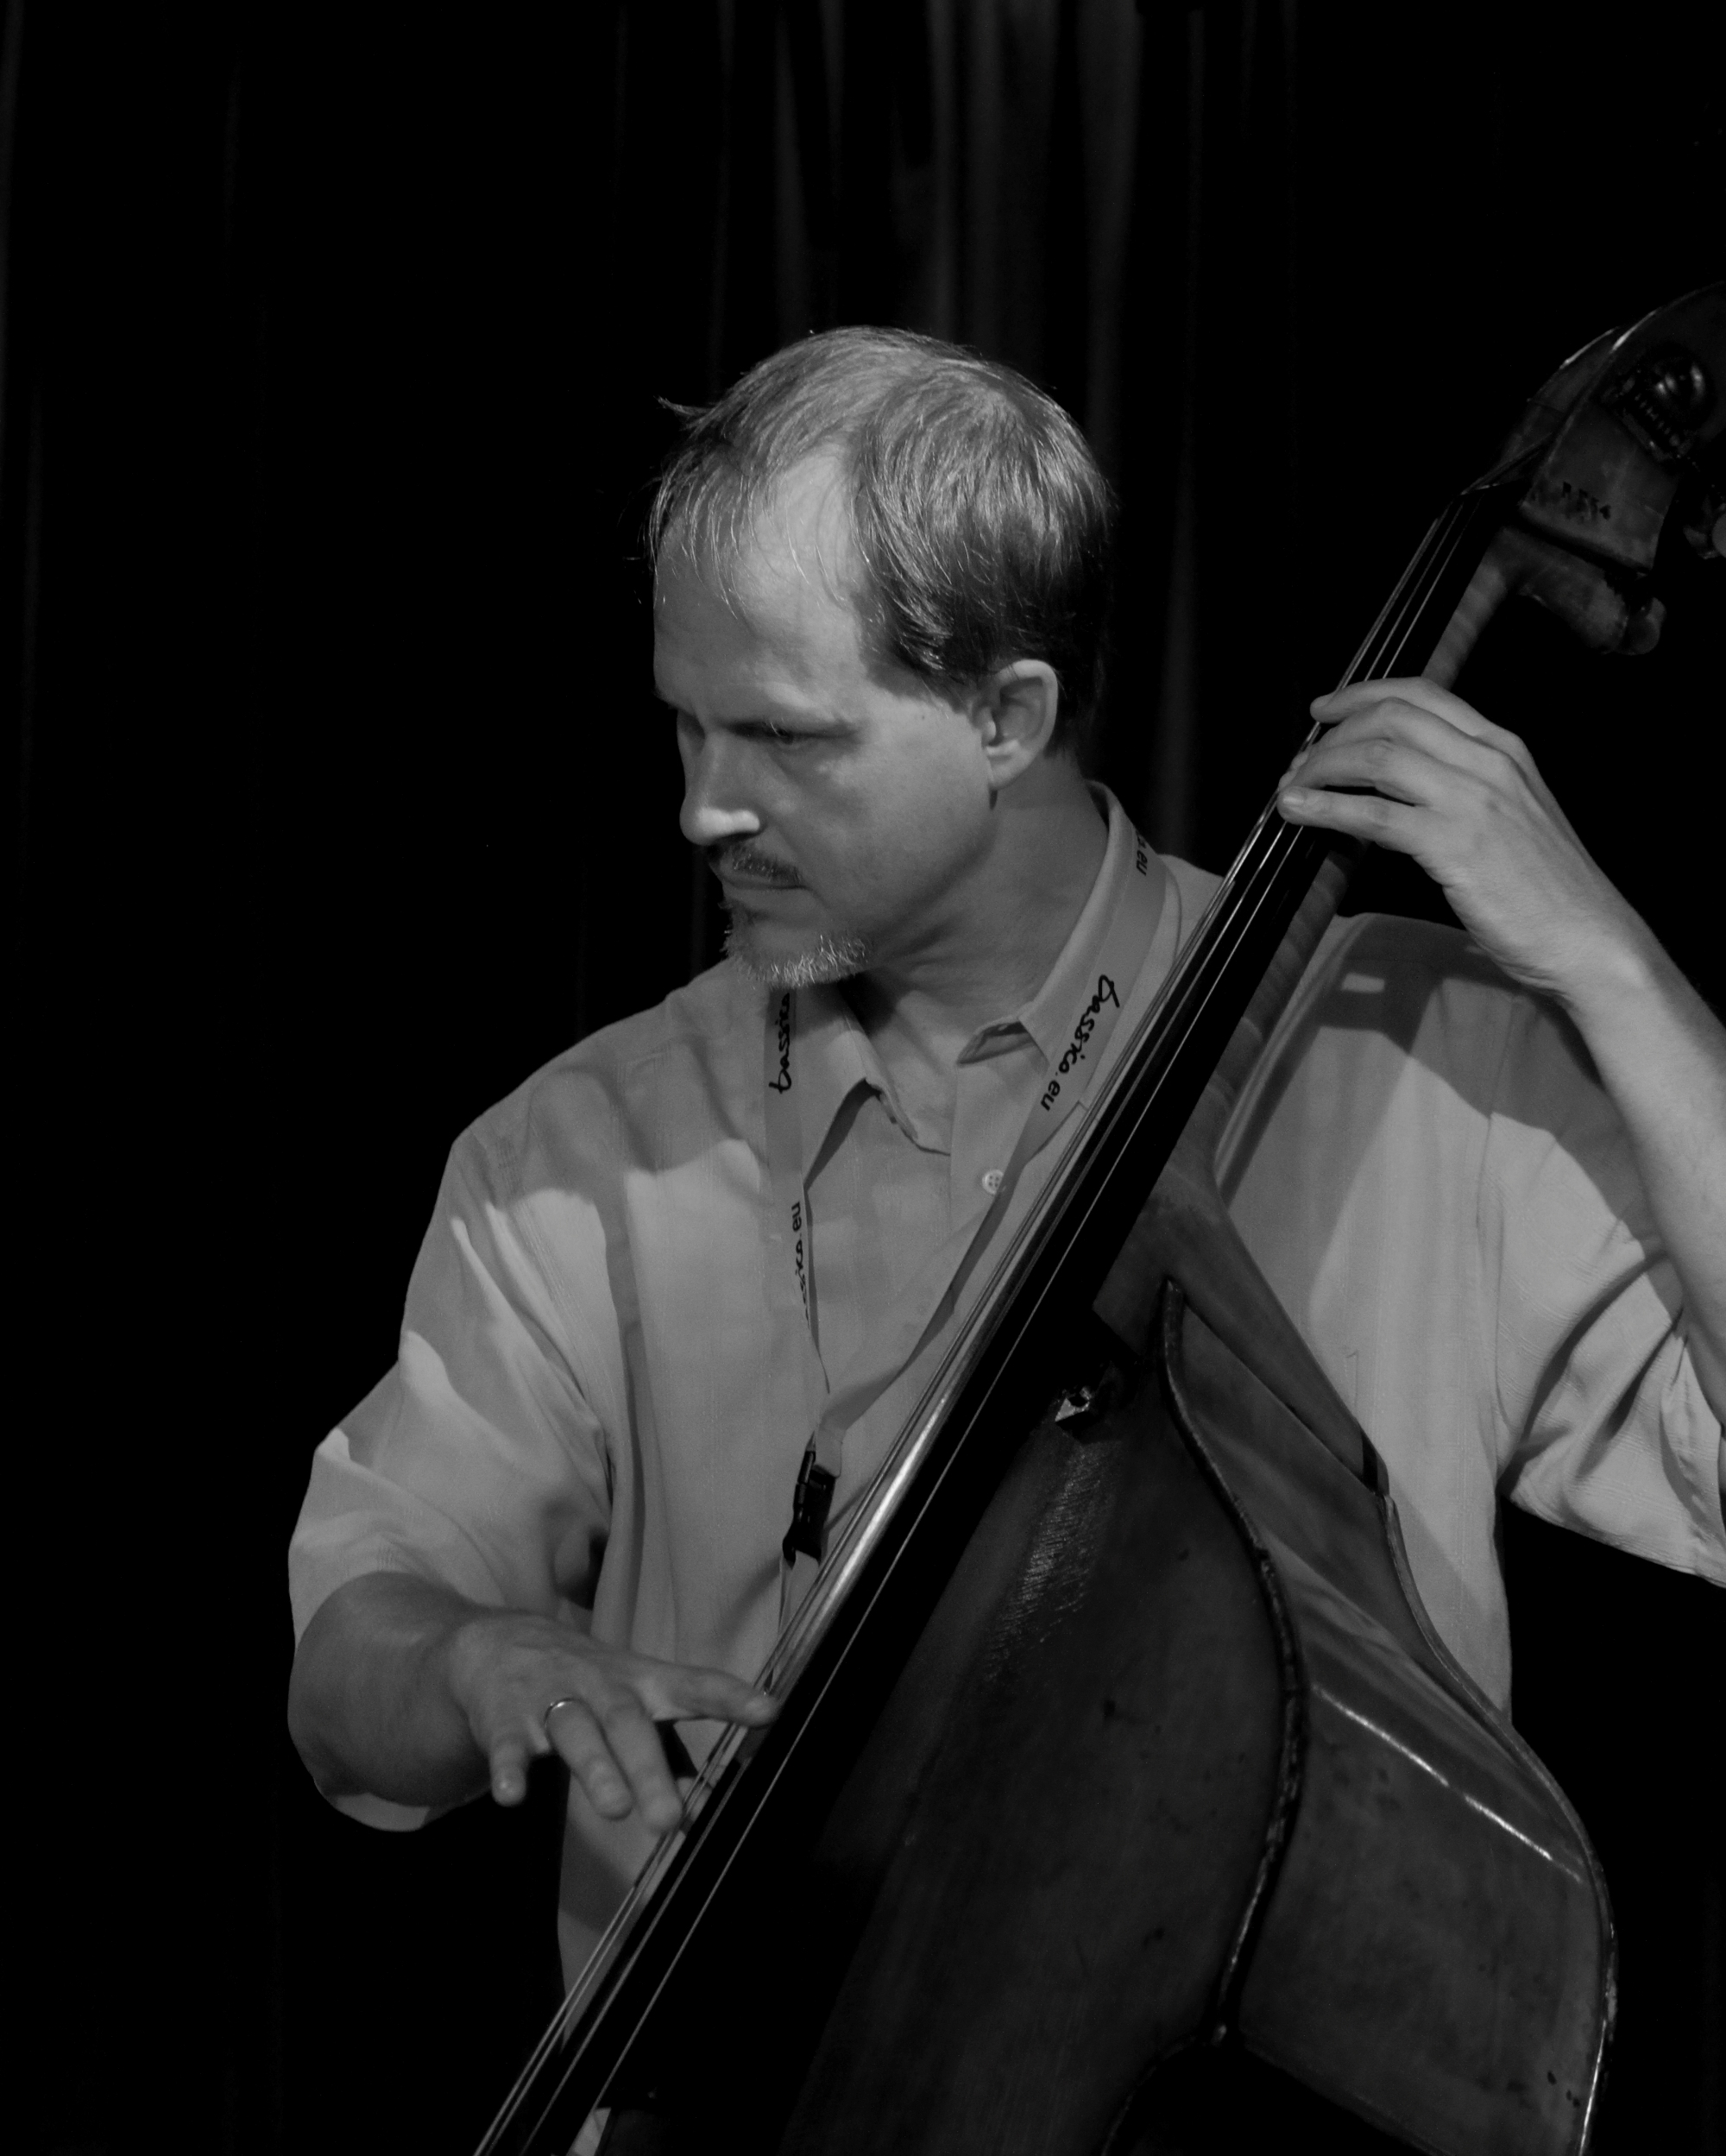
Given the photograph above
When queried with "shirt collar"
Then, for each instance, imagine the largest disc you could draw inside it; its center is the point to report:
(835, 1056)
(1048, 1018)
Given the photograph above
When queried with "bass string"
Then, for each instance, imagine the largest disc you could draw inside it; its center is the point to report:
(1253, 882)
(1274, 843)
(1457, 530)
(1270, 844)
(1387, 642)
(1391, 644)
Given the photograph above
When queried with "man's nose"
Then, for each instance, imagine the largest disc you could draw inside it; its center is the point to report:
(716, 805)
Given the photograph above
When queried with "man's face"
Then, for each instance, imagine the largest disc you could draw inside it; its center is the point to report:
(842, 804)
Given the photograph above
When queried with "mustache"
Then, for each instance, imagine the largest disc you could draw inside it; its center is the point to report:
(739, 858)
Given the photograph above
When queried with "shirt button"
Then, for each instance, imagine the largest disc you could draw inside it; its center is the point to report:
(992, 1179)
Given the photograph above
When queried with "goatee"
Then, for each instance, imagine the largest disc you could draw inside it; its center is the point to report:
(828, 959)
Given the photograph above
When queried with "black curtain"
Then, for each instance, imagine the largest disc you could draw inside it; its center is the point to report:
(337, 347)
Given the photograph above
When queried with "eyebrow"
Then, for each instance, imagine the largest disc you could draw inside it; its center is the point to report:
(815, 721)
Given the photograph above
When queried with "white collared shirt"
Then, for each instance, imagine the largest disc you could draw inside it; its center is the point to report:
(598, 1408)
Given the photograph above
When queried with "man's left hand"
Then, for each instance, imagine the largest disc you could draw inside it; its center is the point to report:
(1463, 797)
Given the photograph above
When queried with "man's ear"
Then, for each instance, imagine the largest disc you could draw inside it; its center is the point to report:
(1015, 710)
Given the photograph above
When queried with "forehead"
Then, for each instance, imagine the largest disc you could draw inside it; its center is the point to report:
(783, 577)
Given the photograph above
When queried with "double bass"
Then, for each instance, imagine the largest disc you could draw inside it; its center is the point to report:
(1123, 1800)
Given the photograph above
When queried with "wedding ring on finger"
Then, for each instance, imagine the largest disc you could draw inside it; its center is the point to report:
(567, 1700)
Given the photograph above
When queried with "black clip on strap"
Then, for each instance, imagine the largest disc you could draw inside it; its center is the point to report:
(810, 1502)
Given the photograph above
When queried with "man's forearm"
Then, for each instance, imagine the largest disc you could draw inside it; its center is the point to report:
(370, 1703)
(1661, 1056)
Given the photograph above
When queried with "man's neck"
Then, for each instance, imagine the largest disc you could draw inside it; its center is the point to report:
(1002, 948)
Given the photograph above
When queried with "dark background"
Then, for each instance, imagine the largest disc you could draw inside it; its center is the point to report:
(333, 342)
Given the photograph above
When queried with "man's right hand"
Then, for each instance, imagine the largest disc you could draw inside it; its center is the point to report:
(508, 1671)
(404, 1690)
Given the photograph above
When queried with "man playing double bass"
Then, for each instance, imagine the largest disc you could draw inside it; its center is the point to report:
(1486, 1175)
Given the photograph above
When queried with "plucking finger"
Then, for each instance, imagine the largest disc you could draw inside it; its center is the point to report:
(582, 1745)
(710, 1695)
(675, 1691)
(635, 1746)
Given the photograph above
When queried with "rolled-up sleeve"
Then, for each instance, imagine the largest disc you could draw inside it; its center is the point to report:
(478, 1462)
(1604, 1425)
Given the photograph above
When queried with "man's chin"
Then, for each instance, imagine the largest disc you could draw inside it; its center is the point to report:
(816, 964)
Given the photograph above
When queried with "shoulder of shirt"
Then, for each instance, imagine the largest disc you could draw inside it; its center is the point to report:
(1419, 992)
(1434, 951)
(1362, 950)
(1386, 973)
(703, 1040)
(1385, 945)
